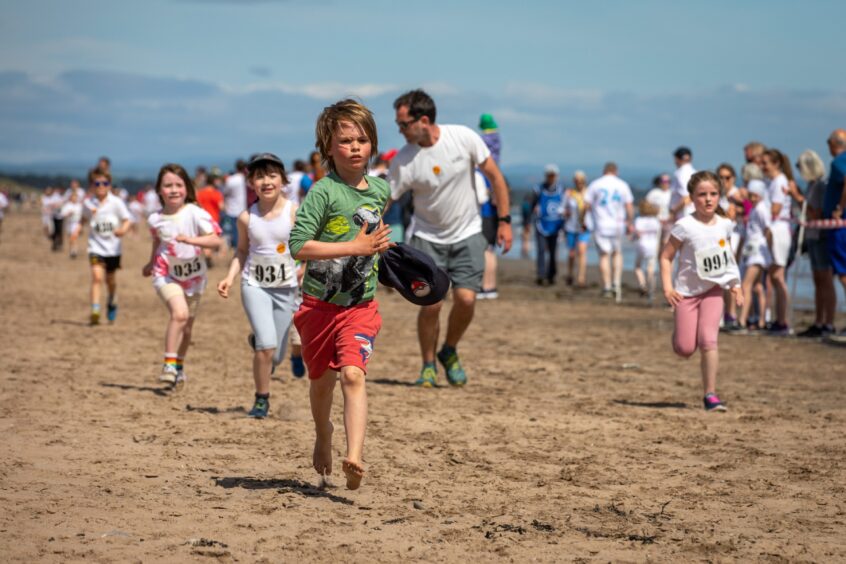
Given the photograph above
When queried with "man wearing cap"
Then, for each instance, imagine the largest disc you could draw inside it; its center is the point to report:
(680, 202)
(437, 166)
(548, 203)
(834, 207)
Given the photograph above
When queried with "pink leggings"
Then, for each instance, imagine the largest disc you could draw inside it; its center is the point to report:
(698, 322)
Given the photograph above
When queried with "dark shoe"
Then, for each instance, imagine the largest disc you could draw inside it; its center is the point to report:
(454, 372)
(713, 403)
(260, 408)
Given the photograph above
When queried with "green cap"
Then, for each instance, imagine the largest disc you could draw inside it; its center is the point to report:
(486, 121)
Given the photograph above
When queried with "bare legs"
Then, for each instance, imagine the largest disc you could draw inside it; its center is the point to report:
(355, 421)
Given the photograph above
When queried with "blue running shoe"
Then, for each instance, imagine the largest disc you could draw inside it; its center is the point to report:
(713, 403)
(454, 373)
(111, 312)
(428, 376)
(260, 408)
(297, 366)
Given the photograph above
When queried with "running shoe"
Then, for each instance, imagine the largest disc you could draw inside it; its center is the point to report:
(608, 293)
(428, 377)
(111, 312)
(713, 403)
(260, 408)
(297, 366)
(811, 332)
(181, 381)
(169, 374)
(454, 373)
(95, 318)
(836, 338)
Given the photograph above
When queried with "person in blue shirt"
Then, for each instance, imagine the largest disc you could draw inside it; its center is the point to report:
(834, 203)
(549, 220)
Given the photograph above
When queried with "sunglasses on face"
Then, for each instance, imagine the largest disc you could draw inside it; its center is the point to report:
(101, 183)
(404, 124)
(726, 176)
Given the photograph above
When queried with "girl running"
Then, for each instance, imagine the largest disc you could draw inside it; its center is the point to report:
(706, 266)
(180, 231)
(268, 273)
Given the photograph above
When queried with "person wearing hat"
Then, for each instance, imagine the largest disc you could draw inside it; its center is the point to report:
(268, 273)
(490, 135)
(680, 203)
(437, 166)
(549, 220)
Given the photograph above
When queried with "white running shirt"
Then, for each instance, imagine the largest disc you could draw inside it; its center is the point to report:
(607, 197)
(104, 217)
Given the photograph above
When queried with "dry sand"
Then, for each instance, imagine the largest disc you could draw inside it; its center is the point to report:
(580, 437)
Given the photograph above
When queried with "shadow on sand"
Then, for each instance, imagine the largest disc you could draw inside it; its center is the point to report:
(392, 382)
(215, 410)
(164, 392)
(653, 404)
(283, 485)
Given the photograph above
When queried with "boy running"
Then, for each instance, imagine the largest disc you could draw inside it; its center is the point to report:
(339, 231)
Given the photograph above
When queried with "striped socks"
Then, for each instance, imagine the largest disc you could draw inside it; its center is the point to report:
(170, 359)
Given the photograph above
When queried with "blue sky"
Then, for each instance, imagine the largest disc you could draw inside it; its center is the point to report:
(575, 83)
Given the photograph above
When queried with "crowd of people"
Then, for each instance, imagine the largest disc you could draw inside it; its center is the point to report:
(772, 222)
(306, 243)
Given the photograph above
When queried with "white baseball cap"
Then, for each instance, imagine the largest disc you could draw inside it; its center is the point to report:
(550, 169)
(757, 187)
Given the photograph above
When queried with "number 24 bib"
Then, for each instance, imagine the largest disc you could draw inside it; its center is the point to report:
(271, 271)
(185, 269)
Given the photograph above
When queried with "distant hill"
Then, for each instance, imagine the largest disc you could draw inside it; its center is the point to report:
(14, 185)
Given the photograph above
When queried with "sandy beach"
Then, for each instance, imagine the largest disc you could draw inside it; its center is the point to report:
(580, 436)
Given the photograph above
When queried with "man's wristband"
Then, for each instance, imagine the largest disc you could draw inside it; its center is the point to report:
(504, 219)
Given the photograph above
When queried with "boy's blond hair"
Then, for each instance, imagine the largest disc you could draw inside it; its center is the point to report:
(647, 209)
(329, 119)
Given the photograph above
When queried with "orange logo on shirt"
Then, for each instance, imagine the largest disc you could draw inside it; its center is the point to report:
(436, 169)
(280, 248)
(722, 242)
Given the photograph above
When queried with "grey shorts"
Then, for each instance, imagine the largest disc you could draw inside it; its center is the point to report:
(463, 261)
(270, 311)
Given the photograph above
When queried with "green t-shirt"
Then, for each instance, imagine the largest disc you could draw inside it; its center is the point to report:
(334, 212)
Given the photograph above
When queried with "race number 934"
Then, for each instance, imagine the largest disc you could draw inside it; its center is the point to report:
(269, 274)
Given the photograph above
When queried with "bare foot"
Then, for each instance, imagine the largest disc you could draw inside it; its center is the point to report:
(354, 472)
(322, 458)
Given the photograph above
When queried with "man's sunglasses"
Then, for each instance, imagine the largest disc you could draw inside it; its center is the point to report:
(404, 124)
(101, 183)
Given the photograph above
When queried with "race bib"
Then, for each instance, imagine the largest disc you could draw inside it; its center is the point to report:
(713, 262)
(271, 271)
(185, 269)
(104, 225)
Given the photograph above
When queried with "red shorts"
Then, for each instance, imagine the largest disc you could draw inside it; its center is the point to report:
(335, 336)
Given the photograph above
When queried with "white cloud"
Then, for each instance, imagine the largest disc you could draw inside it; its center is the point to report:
(538, 93)
(318, 91)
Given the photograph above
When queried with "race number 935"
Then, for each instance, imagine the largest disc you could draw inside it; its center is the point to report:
(186, 269)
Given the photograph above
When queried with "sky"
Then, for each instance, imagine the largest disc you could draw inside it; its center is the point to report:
(572, 83)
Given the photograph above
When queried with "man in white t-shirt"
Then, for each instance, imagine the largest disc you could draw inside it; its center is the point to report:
(680, 202)
(437, 167)
(234, 202)
(609, 201)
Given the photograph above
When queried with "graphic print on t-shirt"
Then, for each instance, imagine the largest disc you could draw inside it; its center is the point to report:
(346, 274)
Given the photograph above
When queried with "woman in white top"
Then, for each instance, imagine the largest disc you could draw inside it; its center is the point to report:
(268, 273)
(732, 204)
(706, 266)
